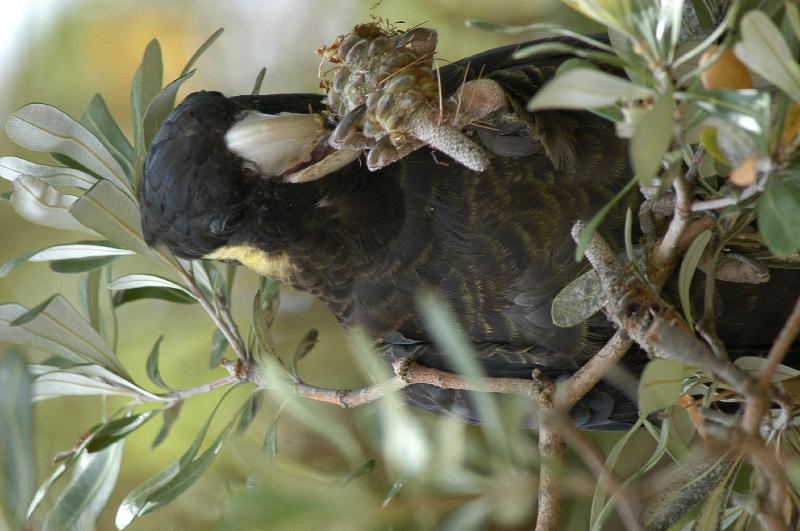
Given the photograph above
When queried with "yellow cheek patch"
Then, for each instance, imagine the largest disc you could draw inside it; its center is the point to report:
(274, 265)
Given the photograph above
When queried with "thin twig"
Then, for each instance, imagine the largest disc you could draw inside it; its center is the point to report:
(409, 373)
(551, 453)
(722, 202)
(587, 376)
(202, 389)
(230, 332)
(666, 251)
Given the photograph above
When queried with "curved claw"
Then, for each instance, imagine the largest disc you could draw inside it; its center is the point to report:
(347, 129)
(382, 154)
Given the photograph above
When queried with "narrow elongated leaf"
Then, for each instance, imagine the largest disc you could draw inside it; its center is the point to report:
(249, 411)
(218, 346)
(163, 294)
(303, 348)
(96, 249)
(82, 380)
(109, 433)
(170, 416)
(602, 516)
(145, 281)
(159, 108)
(186, 477)
(84, 498)
(364, 468)
(259, 80)
(270, 445)
(56, 383)
(42, 127)
(139, 498)
(765, 52)
(97, 119)
(200, 271)
(80, 265)
(201, 50)
(90, 299)
(31, 314)
(652, 138)
(42, 204)
(584, 88)
(147, 82)
(779, 215)
(54, 476)
(12, 168)
(660, 386)
(60, 330)
(16, 436)
(485, 25)
(152, 365)
(598, 218)
(109, 212)
(688, 267)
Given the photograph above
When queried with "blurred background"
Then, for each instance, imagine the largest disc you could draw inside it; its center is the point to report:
(61, 52)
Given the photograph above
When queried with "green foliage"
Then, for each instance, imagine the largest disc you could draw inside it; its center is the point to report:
(646, 78)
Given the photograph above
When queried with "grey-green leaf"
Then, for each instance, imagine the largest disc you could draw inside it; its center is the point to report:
(652, 138)
(186, 477)
(146, 85)
(270, 445)
(660, 386)
(84, 498)
(163, 294)
(12, 168)
(201, 50)
(45, 128)
(42, 204)
(109, 433)
(779, 215)
(250, 410)
(107, 211)
(139, 498)
(70, 251)
(160, 107)
(81, 380)
(303, 348)
(152, 365)
(97, 119)
(579, 300)
(170, 415)
(61, 330)
(218, 346)
(584, 88)
(259, 80)
(144, 281)
(16, 436)
(764, 50)
(688, 267)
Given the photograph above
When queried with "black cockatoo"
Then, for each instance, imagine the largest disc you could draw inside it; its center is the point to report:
(494, 244)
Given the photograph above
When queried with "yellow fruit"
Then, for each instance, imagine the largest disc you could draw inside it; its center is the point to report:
(726, 72)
